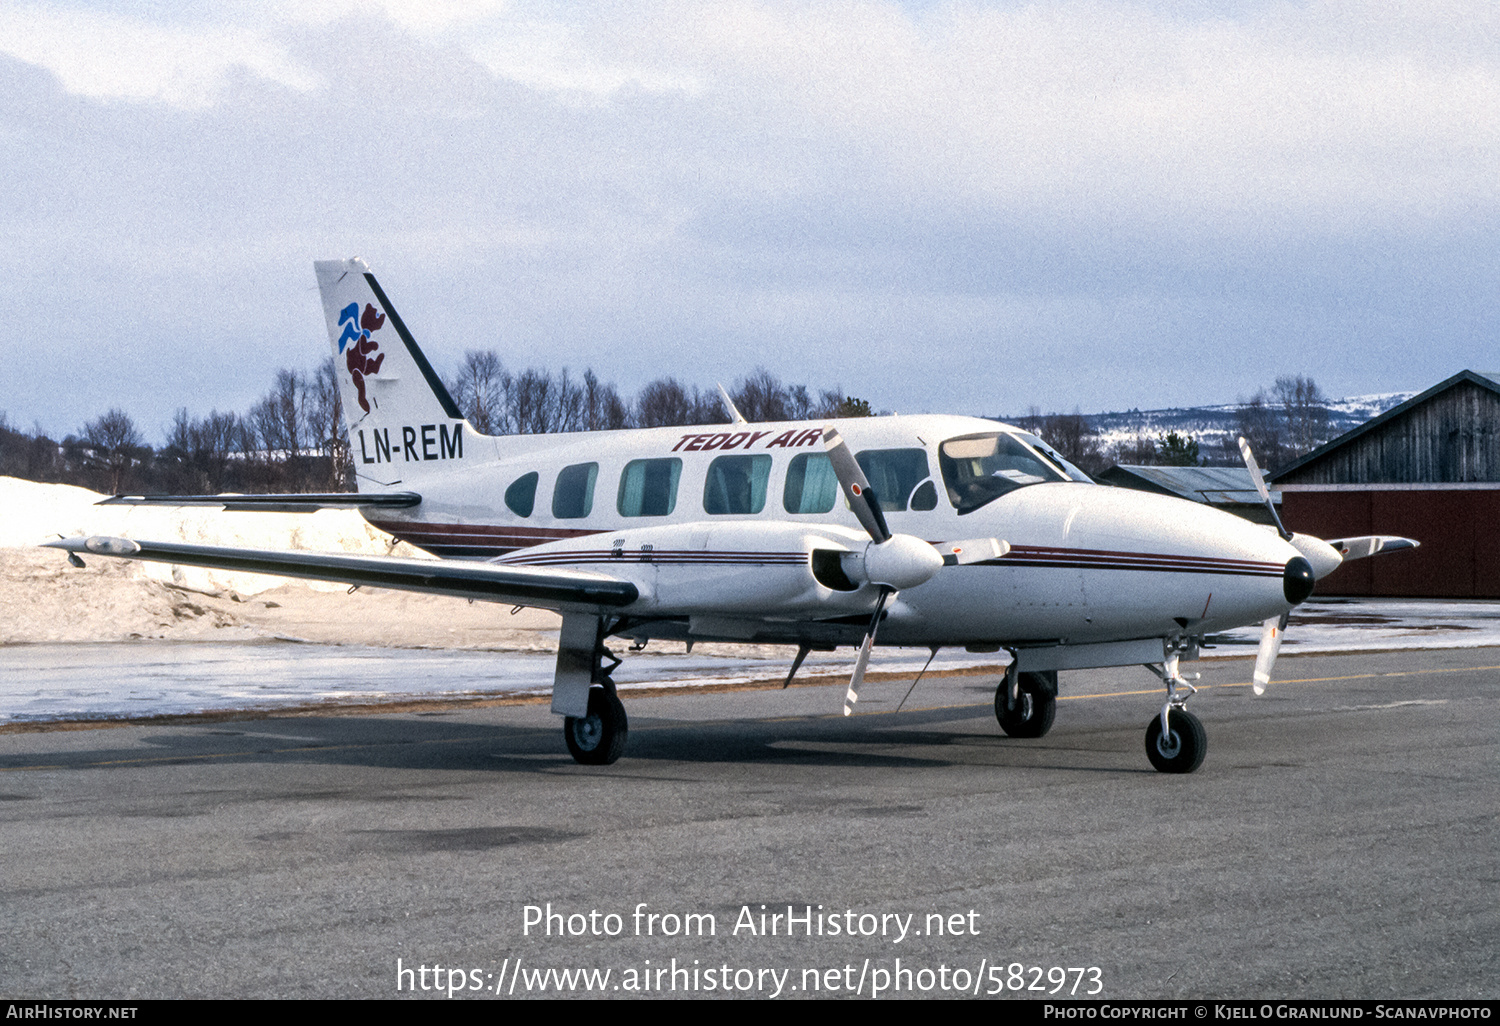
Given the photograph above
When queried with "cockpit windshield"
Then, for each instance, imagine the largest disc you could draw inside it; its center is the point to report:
(1056, 457)
(980, 468)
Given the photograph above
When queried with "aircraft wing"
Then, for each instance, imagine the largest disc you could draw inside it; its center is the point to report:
(298, 502)
(560, 590)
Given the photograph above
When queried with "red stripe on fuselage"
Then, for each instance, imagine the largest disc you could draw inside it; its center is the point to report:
(493, 540)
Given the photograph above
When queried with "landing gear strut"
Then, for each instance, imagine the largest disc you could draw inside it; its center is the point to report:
(594, 722)
(1175, 739)
(1025, 703)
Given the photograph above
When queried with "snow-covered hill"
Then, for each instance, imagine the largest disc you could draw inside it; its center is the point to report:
(1214, 425)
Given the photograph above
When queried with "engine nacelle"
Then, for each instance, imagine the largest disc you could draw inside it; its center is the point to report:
(902, 561)
(726, 568)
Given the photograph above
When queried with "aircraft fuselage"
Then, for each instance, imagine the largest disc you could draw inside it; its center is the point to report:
(716, 526)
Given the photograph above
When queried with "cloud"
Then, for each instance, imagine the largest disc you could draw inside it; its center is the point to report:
(108, 56)
(1050, 182)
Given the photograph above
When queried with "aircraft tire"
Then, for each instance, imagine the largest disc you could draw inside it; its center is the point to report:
(1032, 716)
(1183, 749)
(598, 739)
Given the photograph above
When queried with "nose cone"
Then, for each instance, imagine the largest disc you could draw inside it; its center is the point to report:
(1297, 580)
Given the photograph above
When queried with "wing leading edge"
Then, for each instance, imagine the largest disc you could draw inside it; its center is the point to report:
(297, 502)
(564, 591)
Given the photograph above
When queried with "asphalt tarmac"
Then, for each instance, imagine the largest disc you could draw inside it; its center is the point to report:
(1340, 840)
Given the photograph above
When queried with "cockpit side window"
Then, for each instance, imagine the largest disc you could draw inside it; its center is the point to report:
(894, 474)
(1056, 457)
(981, 468)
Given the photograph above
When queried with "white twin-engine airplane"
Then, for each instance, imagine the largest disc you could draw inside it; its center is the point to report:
(931, 531)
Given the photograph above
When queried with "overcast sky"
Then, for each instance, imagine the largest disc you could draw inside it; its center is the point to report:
(958, 207)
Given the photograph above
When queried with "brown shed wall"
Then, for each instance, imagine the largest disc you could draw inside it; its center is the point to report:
(1460, 553)
(1453, 436)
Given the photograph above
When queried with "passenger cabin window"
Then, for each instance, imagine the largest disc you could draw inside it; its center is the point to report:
(573, 497)
(648, 488)
(520, 497)
(894, 475)
(736, 485)
(811, 485)
(980, 469)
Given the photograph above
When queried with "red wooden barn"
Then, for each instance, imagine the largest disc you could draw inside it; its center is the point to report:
(1428, 469)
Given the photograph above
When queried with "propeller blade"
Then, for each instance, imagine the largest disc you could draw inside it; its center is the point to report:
(1270, 646)
(852, 695)
(1260, 486)
(1369, 545)
(856, 486)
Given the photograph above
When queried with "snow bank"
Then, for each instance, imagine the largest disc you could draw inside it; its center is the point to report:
(32, 513)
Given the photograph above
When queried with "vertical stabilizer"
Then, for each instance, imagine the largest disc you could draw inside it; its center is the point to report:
(402, 422)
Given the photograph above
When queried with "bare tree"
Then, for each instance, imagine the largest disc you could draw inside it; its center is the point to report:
(482, 391)
(663, 403)
(1258, 424)
(603, 409)
(197, 452)
(1139, 451)
(116, 444)
(531, 402)
(326, 429)
(761, 397)
(1306, 411)
(1072, 436)
(280, 417)
(567, 404)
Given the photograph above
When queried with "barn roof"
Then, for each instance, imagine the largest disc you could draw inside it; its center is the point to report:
(1489, 381)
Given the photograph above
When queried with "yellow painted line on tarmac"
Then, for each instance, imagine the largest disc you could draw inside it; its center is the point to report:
(147, 760)
(1296, 680)
(1204, 687)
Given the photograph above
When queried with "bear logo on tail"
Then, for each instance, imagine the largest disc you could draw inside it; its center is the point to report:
(357, 345)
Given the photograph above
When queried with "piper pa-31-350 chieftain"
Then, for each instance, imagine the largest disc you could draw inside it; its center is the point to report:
(928, 531)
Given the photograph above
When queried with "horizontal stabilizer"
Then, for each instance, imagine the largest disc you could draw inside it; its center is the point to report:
(297, 502)
(572, 590)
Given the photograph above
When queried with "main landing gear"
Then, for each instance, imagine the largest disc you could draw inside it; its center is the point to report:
(1025, 703)
(1175, 739)
(598, 739)
(583, 693)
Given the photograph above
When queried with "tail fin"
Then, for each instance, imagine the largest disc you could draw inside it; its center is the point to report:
(402, 421)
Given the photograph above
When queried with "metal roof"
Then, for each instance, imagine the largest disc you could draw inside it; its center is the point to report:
(1217, 486)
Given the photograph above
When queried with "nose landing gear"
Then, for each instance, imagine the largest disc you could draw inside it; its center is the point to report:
(1175, 739)
(1181, 747)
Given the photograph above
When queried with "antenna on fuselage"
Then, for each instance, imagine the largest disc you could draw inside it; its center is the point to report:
(739, 418)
